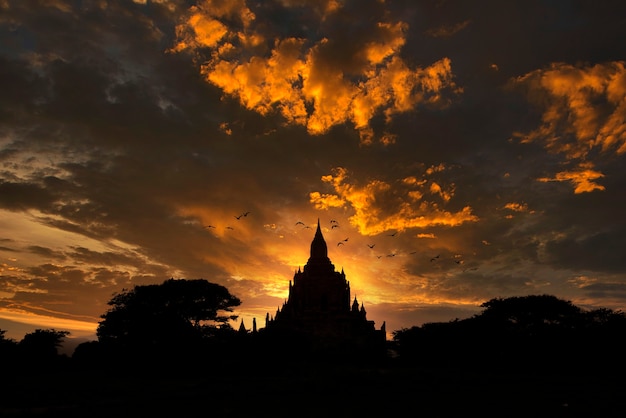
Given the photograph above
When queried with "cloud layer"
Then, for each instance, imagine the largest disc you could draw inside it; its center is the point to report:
(464, 152)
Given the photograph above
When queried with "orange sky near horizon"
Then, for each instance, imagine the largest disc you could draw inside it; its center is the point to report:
(465, 152)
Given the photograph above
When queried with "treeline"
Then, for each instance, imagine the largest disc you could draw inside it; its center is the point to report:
(38, 350)
(537, 333)
(182, 326)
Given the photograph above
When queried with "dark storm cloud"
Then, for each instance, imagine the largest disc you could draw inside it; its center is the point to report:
(98, 68)
(605, 290)
(110, 258)
(12, 283)
(19, 196)
(45, 252)
(600, 251)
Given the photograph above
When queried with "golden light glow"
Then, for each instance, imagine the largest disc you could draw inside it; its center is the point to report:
(76, 327)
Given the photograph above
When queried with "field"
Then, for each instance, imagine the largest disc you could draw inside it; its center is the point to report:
(313, 390)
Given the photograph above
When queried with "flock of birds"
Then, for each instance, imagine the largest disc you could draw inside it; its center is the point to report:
(238, 217)
(335, 224)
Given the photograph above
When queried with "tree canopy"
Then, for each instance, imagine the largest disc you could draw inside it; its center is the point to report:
(38, 350)
(6, 344)
(172, 312)
(533, 311)
(526, 331)
(44, 342)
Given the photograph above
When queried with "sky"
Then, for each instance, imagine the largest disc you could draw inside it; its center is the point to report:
(453, 152)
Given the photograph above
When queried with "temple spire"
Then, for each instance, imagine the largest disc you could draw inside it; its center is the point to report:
(319, 249)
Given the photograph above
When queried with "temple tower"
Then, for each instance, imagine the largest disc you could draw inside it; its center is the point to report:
(319, 306)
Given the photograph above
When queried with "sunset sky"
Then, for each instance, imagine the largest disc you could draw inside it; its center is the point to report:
(477, 147)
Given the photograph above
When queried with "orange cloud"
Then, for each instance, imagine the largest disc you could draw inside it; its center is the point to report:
(582, 179)
(381, 206)
(445, 195)
(584, 113)
(312, 83)
(326, 201)
(203, 27)
(516, 207)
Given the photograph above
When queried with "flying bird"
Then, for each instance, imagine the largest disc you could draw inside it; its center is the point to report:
(208, 226)
(229, 227)
(242, 215)
(435, 258)
(334, 226)
(371, 245)
(394, 234)
(300, 223)
(339, 243)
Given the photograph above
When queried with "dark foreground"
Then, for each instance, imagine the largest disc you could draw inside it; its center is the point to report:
(312, 390)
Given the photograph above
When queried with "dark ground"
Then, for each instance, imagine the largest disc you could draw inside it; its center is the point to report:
(312, 390)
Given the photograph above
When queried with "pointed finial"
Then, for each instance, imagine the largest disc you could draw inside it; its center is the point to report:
(319, 250)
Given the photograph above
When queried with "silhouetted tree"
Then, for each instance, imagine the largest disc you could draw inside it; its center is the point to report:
(8, 351)
(536, 332)
(605, 318)
(168, 315)
(42, 343)
(7, 345)
(3, 339)
(89, 354)
(531, 314)
(38, 351)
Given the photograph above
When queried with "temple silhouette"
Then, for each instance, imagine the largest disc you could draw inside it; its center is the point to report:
(319, 310)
